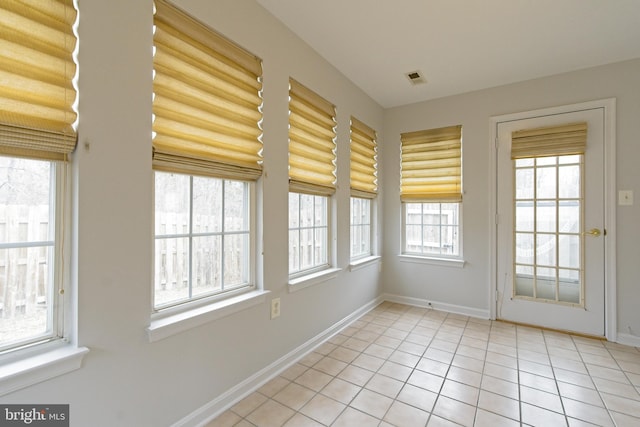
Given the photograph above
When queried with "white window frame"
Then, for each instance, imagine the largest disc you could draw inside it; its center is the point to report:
(317, 267)
(174, 318)
(438, 258)
(38, 360)
(320, 273)
(370, 225)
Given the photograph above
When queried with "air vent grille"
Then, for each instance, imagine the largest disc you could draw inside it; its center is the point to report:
(415, 77)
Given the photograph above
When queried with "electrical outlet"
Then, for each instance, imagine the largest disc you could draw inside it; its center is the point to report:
(275, 308)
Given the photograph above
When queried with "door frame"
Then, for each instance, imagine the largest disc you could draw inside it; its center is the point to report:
(609, 108)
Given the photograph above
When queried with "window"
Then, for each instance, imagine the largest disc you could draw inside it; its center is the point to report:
(364, 187)
(30, 274)
(311, 179)
(308, 232)
(360, 227)
(207, 154)
(432, 228)
(431, 192)
(202, 237)
(37, 133)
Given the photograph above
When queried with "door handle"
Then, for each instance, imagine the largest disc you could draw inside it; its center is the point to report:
(593, 232)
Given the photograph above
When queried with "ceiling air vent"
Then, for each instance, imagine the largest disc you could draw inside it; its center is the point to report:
(415, 77)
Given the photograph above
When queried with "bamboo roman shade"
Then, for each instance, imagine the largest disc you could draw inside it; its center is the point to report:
(37, 94)
(363, 160)
(431, 165)
(207, 100)
(312, 147)
(549, 141)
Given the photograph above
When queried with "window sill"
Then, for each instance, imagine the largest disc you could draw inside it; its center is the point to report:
(444, 262)
(363, 262)
(312, 279)
(59, 359)
(163, 326)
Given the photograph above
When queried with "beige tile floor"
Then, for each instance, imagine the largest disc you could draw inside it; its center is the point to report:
(406, 366)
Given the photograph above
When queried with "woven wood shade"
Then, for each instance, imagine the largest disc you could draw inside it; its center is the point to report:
(312, 147)
(363, 166)
(207, 100)
(549, 141)
(431, 165)
(37, 93)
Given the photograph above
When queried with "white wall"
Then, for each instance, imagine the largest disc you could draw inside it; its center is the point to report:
(469, 287)
(125, 380)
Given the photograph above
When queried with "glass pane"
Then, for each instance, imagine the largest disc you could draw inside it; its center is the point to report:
(569, 251)
(563, 160)
(320, 250)
(524, 216)
(172, 270)
(236, 206)
(413, 213)
(172, 203)
(414, 238)
(320, 214)
(546, 161)
(546, 183)
(431, 213)
(207, 205)
(524, 184)
(306, 248)
(546, 249)
(524, 281)
(449, 240)
(365, 211)
(569, 288)
(207, 264)
(431, 239)
(236, 260)
(546, 283)
(25, 200)
(524, 248)
(294, 205)
(306, 210)
(569, 216)
(569, 181)
(524, 162)
(294, 251)
(546, 216)
(26, 300)
(449, 213)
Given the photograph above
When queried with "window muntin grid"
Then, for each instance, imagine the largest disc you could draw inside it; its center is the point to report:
(548, 217)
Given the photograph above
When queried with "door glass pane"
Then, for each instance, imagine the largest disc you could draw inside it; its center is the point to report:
(546, 283)
(524, 281)
(546, 183)
(524, 248)
(569, 216)
(546, 216)
(524, 216)
(546, 249)
(569, 286)
(569, 250)
(569, 179)
(524, 180)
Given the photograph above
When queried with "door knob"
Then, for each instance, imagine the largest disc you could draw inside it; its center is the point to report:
(593, 232)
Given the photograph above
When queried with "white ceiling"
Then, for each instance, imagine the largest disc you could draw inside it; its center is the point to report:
(460, 45)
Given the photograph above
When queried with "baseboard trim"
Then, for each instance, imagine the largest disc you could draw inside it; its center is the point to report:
(628, 339)
(436, 305)
(211, 410)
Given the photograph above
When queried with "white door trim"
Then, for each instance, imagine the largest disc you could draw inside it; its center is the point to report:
(609, 107)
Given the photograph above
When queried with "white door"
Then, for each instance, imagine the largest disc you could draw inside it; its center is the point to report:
(550, 231)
